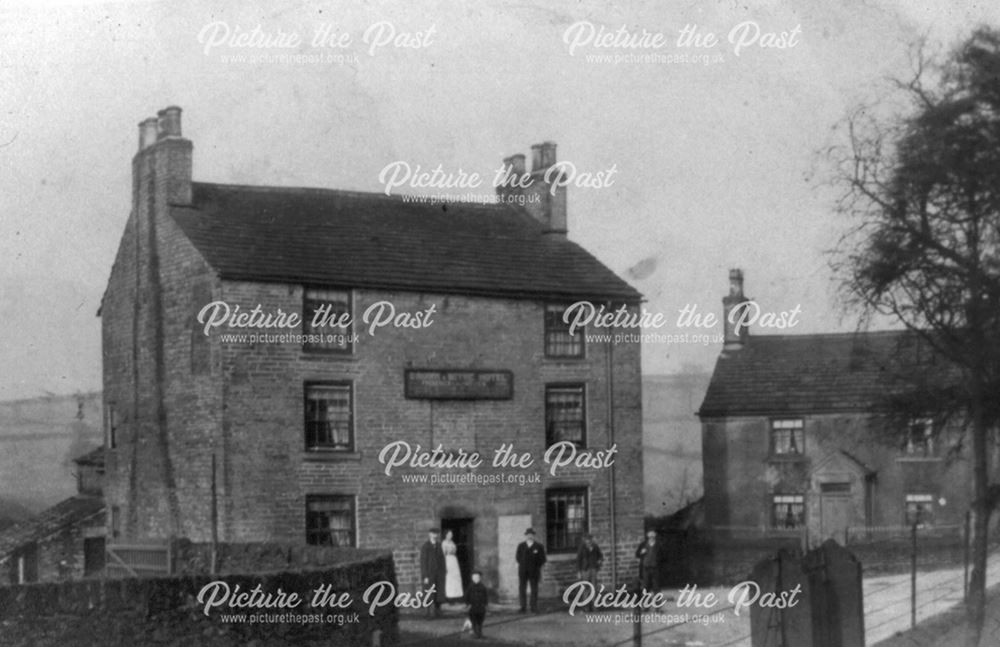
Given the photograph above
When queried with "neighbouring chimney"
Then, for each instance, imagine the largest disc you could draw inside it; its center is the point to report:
(731, 306)
(547, 203)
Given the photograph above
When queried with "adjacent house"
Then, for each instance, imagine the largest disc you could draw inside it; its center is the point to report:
(64, 542)
(799, 432)
(432, 329)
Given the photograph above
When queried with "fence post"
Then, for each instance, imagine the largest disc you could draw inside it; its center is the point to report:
(965, 542)
(214, 560)
(913, 577)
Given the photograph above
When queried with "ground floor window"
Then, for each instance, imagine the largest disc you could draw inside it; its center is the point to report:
(566, 518)
(330, 520)
(789, 511)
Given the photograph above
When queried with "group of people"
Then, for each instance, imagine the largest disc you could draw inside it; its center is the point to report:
(439, 568)
(589, 560)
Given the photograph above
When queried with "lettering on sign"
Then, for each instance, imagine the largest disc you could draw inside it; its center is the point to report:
(461, 384)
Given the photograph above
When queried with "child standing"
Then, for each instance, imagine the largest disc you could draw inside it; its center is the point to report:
(477, 598)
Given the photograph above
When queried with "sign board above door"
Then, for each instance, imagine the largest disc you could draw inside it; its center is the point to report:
(458, 384)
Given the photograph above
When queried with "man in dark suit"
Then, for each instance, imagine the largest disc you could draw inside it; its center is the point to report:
(588, 561)
(530, 559)
(432, 568)
(649, 553)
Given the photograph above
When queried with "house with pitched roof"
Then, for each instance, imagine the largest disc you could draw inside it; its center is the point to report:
(330, 367)
(803, 433)
(64, 541)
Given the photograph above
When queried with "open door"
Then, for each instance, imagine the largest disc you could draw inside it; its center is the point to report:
(463, 531)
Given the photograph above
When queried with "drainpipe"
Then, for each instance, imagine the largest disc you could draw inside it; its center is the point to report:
(609, 362)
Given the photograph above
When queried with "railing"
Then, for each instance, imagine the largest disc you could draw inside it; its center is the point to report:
(872, 534)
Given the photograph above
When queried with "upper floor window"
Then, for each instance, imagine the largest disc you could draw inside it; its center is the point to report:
(565, 417)
(566, 518)
(558, 341)
(330, 520)
(919, 440)
(329, 417)
(788, 511)
(787, 437)
(326, 320)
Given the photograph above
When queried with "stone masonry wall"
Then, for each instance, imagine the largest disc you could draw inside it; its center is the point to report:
(165, 611)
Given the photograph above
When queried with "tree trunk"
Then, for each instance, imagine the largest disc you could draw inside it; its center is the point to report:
(980, 522)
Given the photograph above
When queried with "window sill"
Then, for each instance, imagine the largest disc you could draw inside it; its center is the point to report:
(562, 556)
(787, 458)
(330, 456)
(564, 358)
(918, 459)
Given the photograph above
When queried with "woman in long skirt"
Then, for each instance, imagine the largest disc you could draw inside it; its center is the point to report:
(453, 572)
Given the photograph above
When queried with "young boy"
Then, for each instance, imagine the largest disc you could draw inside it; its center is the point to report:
(476, 596)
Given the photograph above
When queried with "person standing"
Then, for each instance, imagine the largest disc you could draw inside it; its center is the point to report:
(478, 598)
(648, 553)
(588, 561)
(452, 569)
(530, 559)
(432, 569)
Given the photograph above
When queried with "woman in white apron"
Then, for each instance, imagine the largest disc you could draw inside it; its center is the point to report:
(453, 573)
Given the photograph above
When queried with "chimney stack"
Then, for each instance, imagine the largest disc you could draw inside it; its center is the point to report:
(162, 166)
(545, 202)
(732, 340)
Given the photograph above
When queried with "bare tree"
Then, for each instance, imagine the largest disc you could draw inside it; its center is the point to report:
(921, 181)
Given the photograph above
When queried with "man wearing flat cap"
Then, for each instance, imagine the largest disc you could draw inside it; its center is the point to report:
(530, 559)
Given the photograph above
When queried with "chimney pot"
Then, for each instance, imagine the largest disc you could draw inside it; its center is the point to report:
(544, 198)
(736, 283)
(169, 122)
(147, 133)
(734, 340)
(542, 156)
(515, 163)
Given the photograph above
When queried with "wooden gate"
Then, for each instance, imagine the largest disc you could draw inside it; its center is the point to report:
(139, 560)
(829, 608)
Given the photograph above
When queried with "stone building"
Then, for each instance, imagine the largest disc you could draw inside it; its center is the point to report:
(805, 432)
(295, 334)
(63, 542)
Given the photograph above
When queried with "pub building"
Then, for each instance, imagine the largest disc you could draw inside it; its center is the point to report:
(438, 325)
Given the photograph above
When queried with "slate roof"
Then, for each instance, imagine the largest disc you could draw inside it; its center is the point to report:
(350, 239)
(799, 374)
(50, 521)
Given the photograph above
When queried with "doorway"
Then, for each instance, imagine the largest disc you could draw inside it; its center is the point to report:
(463, 535)
(93, 555)
(836, 510)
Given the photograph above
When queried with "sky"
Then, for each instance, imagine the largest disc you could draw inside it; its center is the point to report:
(710, 153)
